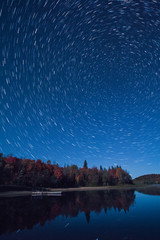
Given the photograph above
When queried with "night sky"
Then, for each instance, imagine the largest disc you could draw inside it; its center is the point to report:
(80, 79)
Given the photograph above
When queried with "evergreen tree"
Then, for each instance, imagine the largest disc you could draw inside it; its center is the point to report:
(85, 164)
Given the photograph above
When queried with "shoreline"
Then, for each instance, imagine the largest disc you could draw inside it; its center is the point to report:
(99, 188)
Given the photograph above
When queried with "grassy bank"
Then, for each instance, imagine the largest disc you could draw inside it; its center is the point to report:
(98, 188)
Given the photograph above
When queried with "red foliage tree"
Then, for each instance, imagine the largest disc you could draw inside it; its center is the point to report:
(58, 172)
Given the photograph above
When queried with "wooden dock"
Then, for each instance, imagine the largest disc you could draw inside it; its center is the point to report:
(52, 194)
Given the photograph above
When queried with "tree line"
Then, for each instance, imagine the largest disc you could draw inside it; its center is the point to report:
(35, 173)
(148, 179)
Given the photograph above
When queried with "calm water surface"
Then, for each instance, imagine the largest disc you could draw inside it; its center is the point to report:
(94, 215)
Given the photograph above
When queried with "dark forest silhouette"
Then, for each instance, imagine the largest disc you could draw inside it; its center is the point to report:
(26, 172)
(148, 179)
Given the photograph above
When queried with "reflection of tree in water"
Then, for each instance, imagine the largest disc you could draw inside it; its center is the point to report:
(150, 190)
(23, 213)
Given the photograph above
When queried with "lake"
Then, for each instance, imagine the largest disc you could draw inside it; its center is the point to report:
(92, 215)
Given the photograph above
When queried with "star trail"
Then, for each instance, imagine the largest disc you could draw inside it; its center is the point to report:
(80, 80)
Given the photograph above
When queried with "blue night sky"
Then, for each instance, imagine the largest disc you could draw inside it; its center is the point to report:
(80, 79)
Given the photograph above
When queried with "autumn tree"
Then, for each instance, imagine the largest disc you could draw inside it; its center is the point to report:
(2, 164)
(40, 174)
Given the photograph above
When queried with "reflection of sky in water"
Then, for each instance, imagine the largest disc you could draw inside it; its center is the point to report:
(140, 222)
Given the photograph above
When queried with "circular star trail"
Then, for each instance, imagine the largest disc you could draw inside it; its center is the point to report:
(81, 80)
